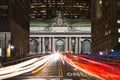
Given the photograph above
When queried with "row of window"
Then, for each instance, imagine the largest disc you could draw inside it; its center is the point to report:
(35, 1)
(83, 5)
(109, 32)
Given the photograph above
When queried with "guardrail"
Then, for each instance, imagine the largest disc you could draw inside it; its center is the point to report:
(3, 64)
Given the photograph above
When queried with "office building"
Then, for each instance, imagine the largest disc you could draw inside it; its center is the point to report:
(105, 23)
(14, 27)
(47, 9)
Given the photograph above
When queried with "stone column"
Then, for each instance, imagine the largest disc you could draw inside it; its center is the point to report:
(39, 48)
(43, 44)
(66, 44)
(76, 45)
(50, 43)
(79, 45)
(69, 43)
(53, 44)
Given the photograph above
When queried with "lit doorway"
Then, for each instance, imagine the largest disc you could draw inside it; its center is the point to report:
(60, 45)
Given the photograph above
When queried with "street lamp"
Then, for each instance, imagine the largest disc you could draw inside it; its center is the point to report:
(112, 50)
(12, 47)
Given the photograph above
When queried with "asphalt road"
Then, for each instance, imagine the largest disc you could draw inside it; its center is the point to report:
(56, 70)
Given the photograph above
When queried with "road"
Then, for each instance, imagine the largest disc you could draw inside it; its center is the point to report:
(56, 70)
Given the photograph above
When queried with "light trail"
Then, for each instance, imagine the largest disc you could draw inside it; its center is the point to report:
(24, 67)
(98, 69)
(69, 61)
(12, 68)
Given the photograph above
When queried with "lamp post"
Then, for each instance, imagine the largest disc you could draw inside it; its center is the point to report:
(10, 48)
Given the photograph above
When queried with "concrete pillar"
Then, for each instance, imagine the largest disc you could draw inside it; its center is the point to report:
(66, 44)
(76, 45)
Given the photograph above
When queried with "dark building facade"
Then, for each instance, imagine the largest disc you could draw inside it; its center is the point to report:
(14, 18)
(72, 9)
(105, 18)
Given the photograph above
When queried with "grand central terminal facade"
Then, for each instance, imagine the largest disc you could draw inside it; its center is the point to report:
(60, 35)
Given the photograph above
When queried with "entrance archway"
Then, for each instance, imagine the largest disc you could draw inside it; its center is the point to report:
(60, 45)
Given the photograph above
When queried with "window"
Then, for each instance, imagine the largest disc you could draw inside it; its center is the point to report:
(118, 4)
(109, 31)
(119, 39)
(118, 21)
(119, 30)
(100, 1)
(106, 33)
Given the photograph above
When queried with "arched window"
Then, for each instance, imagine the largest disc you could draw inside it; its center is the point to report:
(33, 45)
(86, 46)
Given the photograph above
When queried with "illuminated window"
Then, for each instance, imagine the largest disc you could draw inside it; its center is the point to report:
(43, 11)
(32, 6)
(109, 31)
(100, 1)
(76, 16)
(106, 33)
(119, 39)
(50, 6)
(43, 6)
(118, 4)
(118, 21)
(77, 3)
(119, 30)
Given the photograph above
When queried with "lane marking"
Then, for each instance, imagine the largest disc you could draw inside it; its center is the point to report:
(39, 68)
(60, 72)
